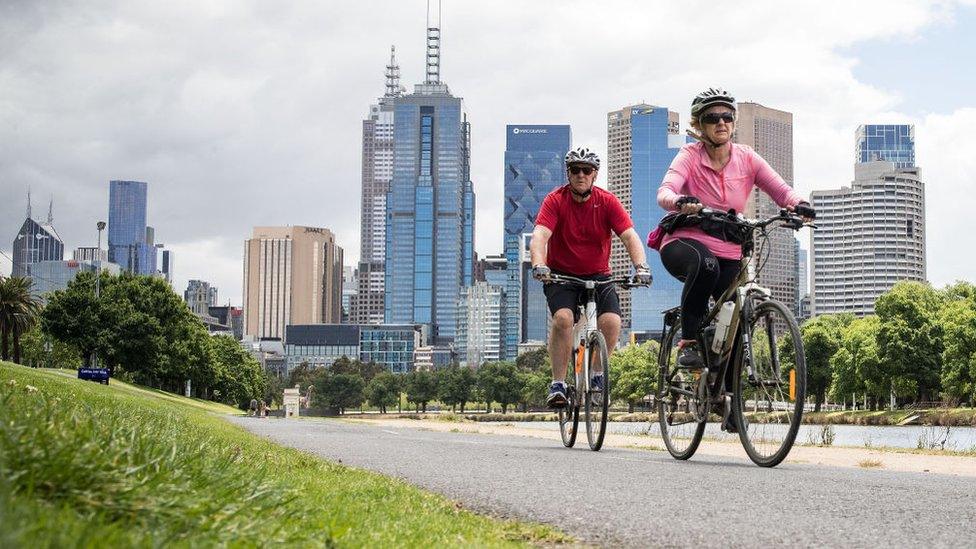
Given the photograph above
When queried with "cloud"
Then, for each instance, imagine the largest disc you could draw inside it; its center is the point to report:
(250, 114)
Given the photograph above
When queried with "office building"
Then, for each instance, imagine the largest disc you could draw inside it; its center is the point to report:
(350, 290)
(166, 258)
(320, 345)
(52, 275)
(642, 140)
(433, 358)
(377, 173)
(231, 317)
(479, 324)
(35, 242)
(493, 269)
(770, 133)
(534, 166)
(129, 239)
(90, 254)
(889, 142)
(870, 236)
(430, 206)
(391, 345)
(292, 275)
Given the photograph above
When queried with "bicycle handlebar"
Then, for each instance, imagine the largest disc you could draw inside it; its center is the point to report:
(622, 281)
(789, 219)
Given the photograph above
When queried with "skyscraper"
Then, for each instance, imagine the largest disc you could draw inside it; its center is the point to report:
(870, 236)
(36, 242)
(479, 324)
(430, 206)
(889, 142)
(166, 264)
(367, 307)
(642, 140)
(770, 133)
(127, 230)
(292, 275)
(534, 166)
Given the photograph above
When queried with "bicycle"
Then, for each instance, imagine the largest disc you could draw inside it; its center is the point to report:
(757, 326)
(589, 354)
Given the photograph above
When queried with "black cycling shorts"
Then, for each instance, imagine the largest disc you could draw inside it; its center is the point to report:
(568, 296)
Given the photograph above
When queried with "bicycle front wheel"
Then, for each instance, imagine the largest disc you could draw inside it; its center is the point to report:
(569, 418)
(598, 397)
(680, 412)
(768, 404)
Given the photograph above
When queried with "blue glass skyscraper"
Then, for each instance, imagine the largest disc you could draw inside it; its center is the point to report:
(533, 167)
(889, 142)
(643, 140)
(127, 245)
(430, 211)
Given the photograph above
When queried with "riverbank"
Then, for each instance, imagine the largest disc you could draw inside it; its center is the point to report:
(885, 459)
(941, 417)
(88, 465)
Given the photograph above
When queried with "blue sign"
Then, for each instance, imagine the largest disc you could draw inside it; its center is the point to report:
(94, 374)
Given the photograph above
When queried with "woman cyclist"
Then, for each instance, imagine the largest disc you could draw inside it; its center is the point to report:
(716, 173)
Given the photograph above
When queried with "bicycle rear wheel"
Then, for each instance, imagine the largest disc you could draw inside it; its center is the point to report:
(597, 401)
(569, 418)
(768, 406)
(681, 412)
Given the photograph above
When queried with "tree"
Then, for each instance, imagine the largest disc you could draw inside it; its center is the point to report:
(499, 382)
(910, 338)
(241, 378)
(383, 390)
(339, 391)
(821, 339)
(534, 361)
(856, 366)
(19, 312)
(274, 389)
(421, 388)
(958, 319)
(74, 316)
(456, 386)
(534, 388)
(633, 372)
(41, 350)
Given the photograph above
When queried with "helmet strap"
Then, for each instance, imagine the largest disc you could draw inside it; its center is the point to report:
(582, 196)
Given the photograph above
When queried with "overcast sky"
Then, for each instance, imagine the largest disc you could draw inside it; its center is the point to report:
(249, 113)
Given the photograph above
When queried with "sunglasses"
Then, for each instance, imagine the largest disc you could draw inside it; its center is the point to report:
(715, 117)
(576, 170)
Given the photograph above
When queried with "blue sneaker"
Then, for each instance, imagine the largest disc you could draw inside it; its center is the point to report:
(557, 395)
(596, 383)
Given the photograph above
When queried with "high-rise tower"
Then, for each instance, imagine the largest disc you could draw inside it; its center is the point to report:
(127, 230)
(368, 303)
(35, 242)
(642, 140)
(888, 142)
(770, 133)
(534, 166)
(430, 206)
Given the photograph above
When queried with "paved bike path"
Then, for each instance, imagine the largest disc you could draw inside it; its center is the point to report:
(639, 498)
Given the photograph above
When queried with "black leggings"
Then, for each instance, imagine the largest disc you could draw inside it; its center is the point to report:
(704, 276)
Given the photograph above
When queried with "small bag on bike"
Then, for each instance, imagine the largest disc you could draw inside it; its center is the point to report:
(728, 232)
(670, 223)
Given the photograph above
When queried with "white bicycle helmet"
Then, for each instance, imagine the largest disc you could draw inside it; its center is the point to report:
(582, 155)
(710, 98)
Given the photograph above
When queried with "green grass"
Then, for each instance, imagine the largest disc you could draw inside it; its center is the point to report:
(83, 464)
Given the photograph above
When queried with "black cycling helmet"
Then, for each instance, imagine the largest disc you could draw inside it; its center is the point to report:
(710, 98)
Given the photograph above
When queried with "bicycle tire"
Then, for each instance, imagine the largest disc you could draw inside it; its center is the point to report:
(569, 418)
(596, 412)
(681, 439)
(758, 433)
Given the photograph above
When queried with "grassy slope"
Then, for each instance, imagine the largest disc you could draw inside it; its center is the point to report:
(83, 464)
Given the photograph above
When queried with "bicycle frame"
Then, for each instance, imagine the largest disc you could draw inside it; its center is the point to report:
(581, 334)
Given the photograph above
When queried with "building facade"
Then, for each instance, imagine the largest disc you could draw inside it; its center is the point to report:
(433, 358)
(292, 275)
(642, 140)
(481, 316)
(870, 236)
(377, 174)
(35, 242)
(127, 230)
(320, 345)
(888, 142)
(770, 133)
(391, 345)
(53, 275)
(166, 259)
(534, 166)
(200, 296)
(89, 254)
(430, 210)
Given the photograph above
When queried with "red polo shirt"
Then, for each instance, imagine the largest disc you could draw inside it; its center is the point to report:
(581, 231)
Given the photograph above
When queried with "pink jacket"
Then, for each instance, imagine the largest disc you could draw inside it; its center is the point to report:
(691, 174)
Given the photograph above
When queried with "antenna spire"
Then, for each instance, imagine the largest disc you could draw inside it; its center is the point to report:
(433, 45)
(50, 212)
(392, 75)
(28, 202)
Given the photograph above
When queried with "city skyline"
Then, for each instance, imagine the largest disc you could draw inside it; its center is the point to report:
(229, 135)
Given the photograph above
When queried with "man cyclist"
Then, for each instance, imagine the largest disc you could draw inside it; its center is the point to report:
(572, 237)
(716, 173)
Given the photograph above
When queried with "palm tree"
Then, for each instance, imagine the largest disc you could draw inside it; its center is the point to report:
(19, 311)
